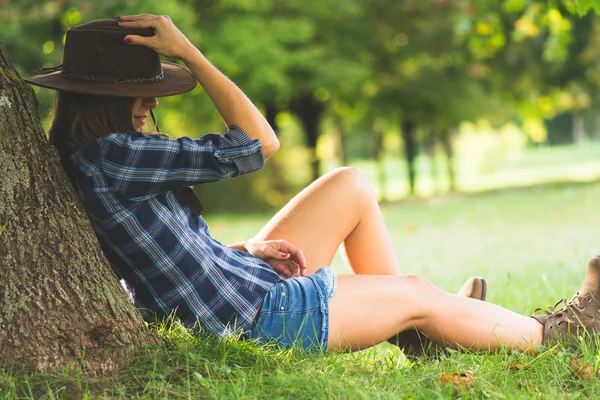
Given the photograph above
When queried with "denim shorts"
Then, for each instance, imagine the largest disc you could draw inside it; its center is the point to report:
(296, 312)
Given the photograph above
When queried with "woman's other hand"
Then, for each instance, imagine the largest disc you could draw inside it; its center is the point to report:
(168, 40)
(285, 259)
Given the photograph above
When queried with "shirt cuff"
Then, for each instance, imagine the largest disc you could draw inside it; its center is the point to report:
(244, 152)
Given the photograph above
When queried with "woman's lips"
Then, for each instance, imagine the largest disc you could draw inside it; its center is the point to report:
(141, 120)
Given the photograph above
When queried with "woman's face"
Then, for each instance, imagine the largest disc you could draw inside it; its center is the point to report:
(141, 109)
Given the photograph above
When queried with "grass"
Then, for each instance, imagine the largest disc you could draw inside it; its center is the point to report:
(531, 244)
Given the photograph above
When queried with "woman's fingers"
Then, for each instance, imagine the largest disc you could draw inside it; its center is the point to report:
(142, 23)
(138, 40)
(295, 269)
(285, 259)
(136, 17)
(282, 270)
(271, 252)
(167, 41)
(297, 256)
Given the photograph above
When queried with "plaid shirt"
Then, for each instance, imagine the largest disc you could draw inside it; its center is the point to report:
(129, 184)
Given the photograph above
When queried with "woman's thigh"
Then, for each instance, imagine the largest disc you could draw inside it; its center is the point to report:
(320, 217)
(366, 309)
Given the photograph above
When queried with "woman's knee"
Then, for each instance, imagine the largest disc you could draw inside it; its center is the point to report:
(417, 284)
(420, 294)
(352, 179)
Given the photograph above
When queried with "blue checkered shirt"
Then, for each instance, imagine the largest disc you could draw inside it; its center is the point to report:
(129, 184)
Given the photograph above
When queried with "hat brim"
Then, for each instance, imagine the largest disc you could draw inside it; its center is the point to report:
(176, 80)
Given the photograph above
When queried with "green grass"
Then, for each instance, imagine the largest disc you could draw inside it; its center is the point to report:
(531, 244)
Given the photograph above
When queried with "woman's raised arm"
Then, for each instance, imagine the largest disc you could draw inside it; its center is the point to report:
(233, 105)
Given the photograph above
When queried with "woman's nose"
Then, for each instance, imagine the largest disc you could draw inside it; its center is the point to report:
(150, 102)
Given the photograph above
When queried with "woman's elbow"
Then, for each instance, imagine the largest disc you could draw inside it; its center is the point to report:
(270, 147)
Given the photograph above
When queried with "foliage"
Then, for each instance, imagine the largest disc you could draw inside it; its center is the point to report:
(583, 6)
(361, 67)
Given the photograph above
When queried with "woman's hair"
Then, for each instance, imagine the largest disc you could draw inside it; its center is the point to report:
(80, 119)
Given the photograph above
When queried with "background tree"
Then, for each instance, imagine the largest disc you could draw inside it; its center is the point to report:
(320, 69)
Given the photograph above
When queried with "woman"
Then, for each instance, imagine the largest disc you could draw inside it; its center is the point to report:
(274, 286)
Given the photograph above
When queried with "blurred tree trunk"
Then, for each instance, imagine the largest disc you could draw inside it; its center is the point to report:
(310, 111)
(578, 128)
(270, 115)
(410, 152)
(446, 142)
(340, 150)
(429, 144)
(378, 153)
(276, 167)
(60, 302)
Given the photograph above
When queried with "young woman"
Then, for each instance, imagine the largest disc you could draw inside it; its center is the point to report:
(276, 286)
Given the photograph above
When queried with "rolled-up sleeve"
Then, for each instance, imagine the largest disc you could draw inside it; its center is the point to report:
(244, 152)
(139, 165)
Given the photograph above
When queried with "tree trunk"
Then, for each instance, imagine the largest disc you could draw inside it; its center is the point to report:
(578, 127)
(446, 141)
(340, 150)
(270, 115)
(60, 303)
(378, 136)
(410, 153)
(310, 111)
(429, 146)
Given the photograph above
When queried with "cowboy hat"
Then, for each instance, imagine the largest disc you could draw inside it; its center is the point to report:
(96, 61)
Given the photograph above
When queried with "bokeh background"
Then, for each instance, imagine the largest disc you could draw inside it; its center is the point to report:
(425, 97)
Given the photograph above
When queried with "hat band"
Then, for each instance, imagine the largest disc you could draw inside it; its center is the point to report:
(108, 79)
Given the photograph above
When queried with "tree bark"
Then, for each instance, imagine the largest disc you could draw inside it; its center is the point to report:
(61, 305)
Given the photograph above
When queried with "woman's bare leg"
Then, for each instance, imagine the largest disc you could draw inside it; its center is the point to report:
(340, 208)
(367, 310)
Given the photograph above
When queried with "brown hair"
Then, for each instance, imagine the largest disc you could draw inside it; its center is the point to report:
(80, 118)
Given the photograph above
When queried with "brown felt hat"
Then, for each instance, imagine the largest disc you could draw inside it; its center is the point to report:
(96, 61)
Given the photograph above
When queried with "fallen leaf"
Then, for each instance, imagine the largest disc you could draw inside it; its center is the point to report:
(464, 380)
(410, 229)
(515, 366)
(583, 370)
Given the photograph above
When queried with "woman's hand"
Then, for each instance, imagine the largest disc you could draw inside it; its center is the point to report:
(285, 259)
(168, 40)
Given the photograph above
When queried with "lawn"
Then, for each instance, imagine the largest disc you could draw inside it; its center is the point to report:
(531, 244)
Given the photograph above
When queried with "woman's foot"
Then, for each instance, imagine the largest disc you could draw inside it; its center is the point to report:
(578, 317)
(415, 344)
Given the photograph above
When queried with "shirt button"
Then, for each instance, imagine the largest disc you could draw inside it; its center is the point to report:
(283, 293)
(282, 308)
